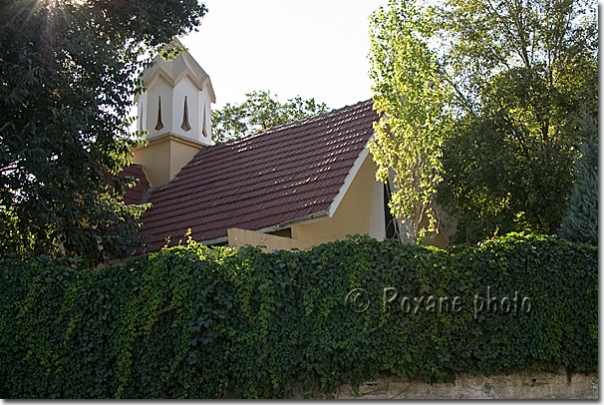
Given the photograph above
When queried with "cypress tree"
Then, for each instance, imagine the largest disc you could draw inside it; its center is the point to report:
(580, 223)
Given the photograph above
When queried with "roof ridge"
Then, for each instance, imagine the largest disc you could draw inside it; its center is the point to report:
(291, 124)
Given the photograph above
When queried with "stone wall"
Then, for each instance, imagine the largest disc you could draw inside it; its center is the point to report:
(514, 386)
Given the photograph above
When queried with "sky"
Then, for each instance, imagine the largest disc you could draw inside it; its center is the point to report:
(313, 48)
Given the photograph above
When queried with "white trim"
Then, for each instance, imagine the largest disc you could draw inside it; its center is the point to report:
(303, 220)
(268, 229)
(187, 73)
(284, 225)
(214, 241)
(317, 216)
(159, 72)
(207, 83)
(377, 228)
(348, 181)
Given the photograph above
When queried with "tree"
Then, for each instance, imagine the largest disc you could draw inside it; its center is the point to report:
(580, 224)
(514, 76)
(408, 90)
(68, 73)
(258, 112)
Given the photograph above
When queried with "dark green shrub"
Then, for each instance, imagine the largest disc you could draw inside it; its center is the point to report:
(188, 322)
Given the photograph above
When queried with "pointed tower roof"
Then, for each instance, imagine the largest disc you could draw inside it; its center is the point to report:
(175, 70)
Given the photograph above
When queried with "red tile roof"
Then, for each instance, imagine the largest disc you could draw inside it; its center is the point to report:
(279, 175)
(134, 195)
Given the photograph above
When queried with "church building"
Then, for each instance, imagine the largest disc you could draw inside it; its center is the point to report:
(292, 186)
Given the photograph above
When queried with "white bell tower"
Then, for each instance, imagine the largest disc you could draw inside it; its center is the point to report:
(175, 111)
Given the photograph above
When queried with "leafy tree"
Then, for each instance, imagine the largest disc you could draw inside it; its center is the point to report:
(407, 89)
(68, 73)
(258, 112)
(513, 77)
(580, 224)
(526, 69)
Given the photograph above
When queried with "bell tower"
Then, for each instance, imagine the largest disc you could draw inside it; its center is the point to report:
(175, 111)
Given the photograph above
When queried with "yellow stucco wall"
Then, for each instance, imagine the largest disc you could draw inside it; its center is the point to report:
(242, 237)
(155, 160)
(181, 153)
(164, 156)
(352, 215)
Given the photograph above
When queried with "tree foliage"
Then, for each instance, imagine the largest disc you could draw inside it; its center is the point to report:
(580, 224)
(514, 76)
(408, 90)
(258, 112)
(68, 72)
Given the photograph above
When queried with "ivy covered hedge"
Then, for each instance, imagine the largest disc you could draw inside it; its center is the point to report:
(188, 322)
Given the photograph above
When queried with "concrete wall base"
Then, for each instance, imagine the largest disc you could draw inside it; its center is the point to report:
(514, 386)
